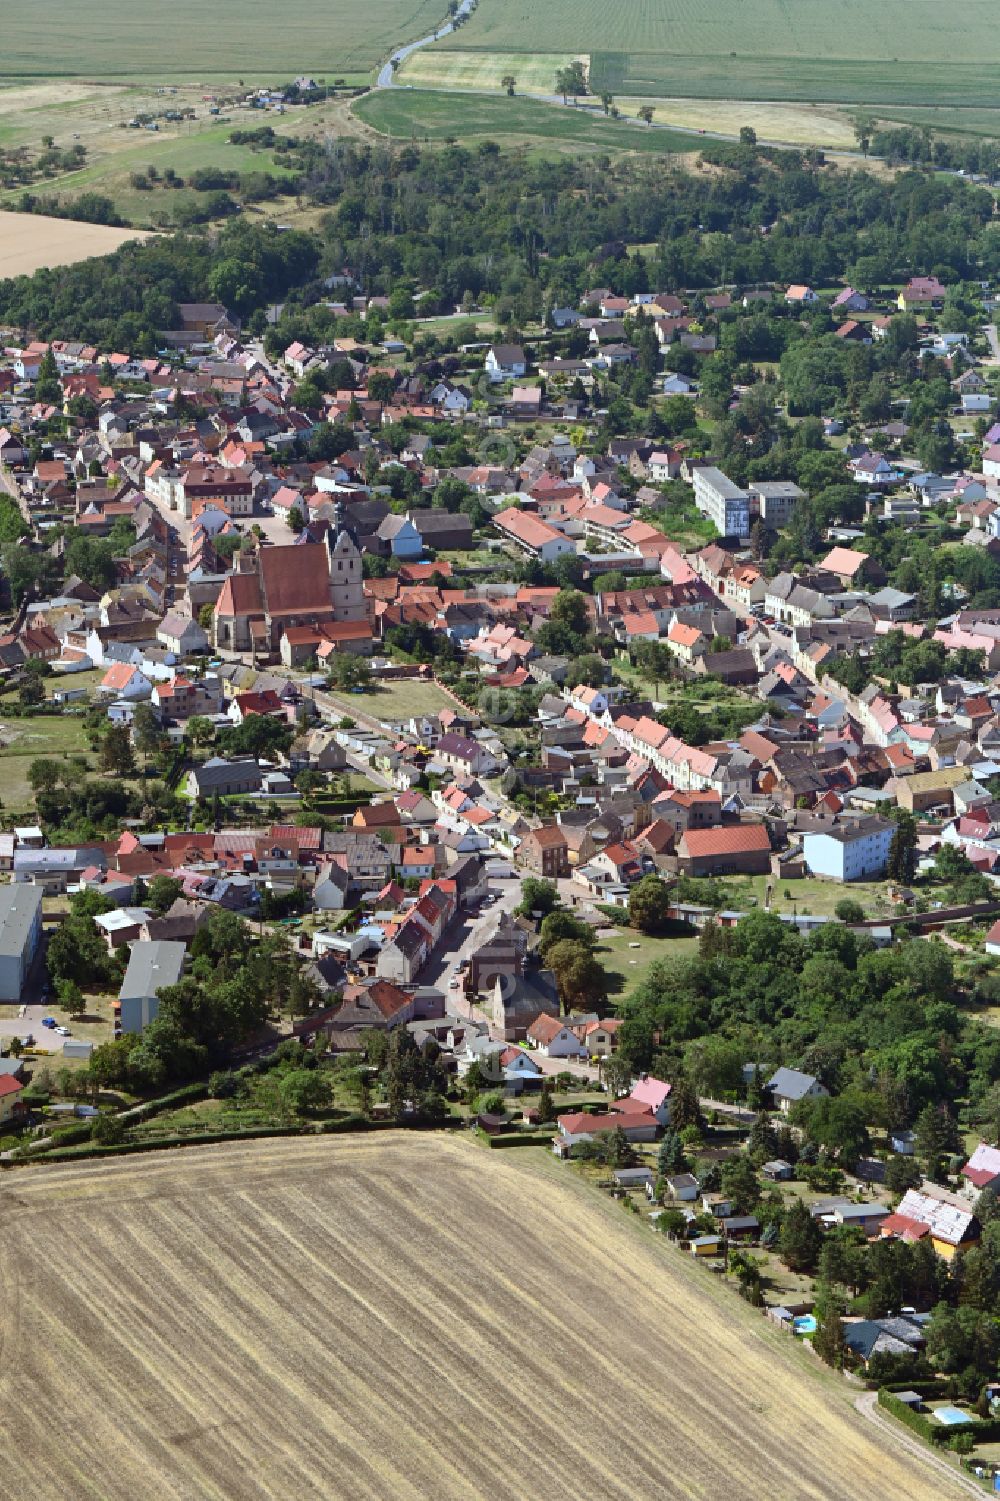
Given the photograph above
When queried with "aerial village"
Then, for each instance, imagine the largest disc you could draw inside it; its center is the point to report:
(479, 721)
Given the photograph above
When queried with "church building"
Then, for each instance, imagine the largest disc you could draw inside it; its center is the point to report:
(314, 584)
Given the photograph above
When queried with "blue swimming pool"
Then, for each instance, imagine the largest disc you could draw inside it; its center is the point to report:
(951, 1415)
(804, 1324)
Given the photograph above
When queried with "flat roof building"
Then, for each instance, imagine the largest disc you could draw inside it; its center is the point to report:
(20, 934)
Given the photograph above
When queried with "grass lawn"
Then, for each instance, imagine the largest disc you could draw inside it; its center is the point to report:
(22, 740)
(396, 700)
(439, 116)
(780, 1284)
(66, 682)
(813, 895)
(627, 967)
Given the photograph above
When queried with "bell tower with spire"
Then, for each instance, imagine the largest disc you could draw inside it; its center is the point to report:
(347, 594)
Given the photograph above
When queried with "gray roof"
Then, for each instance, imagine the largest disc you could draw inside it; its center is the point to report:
(219, 773)
(19, 907)
(150, 967)
(790, 1084)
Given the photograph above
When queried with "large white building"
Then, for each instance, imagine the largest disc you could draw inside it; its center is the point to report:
(724, 503)
(850, 852)
(20, 934)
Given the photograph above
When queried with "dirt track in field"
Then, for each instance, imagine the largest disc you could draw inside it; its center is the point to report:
(404, 1317)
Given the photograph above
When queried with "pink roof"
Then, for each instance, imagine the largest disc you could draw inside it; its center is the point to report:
(650, 1092)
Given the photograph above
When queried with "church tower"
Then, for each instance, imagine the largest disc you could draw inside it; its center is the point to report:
(347, 594)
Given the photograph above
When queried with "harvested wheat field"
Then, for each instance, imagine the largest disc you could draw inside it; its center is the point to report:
(402, 1318)
(31, 241)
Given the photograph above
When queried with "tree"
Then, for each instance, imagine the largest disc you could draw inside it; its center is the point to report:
(936, 1136)
(748, 136)
(509, 82)
(828, 1341)
(71, 998)
(581, 978)
(44, 774)
(739, 1183)
(546, 1108)
(607, 100)
(648, 904)
(901, 1174)
(47, 384)
(200, 730)
(864, 125)
(670, 1158)
(536, 896)
(307, 1090)
(685, 1109)
(31, 691)
(108, 1130)
(561, 924)
(902, 863)
(348, 671)
(147, 737)
(800, 1239)
(116, 752)
(162, 892)
(849, 911)
(646, 113)
(571, 81)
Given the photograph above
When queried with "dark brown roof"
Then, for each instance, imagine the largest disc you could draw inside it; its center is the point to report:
(295, 579)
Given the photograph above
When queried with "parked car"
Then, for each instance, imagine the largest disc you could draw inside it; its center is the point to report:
(48, 1021)
(64, 1031)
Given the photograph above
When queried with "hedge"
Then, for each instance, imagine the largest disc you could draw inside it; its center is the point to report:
(185, 1095)
(936, 1433)
(162, 1143)
(521, 1139)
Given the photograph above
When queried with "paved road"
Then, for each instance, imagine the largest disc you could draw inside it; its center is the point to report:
(990, 330)
(867, 1406)
(461, 942)
(385, 78)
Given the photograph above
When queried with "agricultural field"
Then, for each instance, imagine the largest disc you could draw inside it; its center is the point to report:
(427, 114)
(30, 241)
(307, 1318)
(229, 39)
(898, 52)
(794, 124)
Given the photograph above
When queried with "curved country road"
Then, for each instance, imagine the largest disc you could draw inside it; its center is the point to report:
(867, 1406)
(385, 77)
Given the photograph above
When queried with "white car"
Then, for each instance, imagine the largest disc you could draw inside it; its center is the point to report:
(64, 1031)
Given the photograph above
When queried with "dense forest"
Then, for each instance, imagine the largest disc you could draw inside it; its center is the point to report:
(458, 224)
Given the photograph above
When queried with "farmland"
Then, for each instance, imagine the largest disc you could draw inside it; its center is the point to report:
(141, 39)
(30, 241)
(900, 51)
(438, 116)
(307, 1318)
